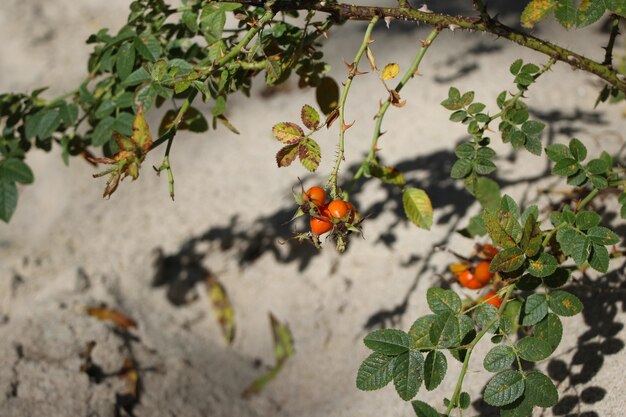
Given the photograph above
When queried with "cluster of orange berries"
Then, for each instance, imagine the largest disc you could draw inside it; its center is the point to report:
(324, 216)
(479, 276)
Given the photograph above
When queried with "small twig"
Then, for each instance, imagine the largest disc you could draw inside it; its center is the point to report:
(468, 353)
(353, 71)
(608, 57)
(409, 74)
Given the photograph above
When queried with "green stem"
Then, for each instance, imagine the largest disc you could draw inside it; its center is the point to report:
(459, 383)
(408, 75)
(587, 199)
(332, 180)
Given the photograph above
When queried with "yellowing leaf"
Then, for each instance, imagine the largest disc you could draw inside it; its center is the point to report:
(287, 132)
(223, 308)
(458, 268)
(418, 207)
(535, 11)
(370, 58)
(141, 131)
(107, 314)
(390, 71)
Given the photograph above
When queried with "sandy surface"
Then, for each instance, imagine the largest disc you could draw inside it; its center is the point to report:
(66, 248)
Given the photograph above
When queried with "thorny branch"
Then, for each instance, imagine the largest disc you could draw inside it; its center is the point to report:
(343, 11)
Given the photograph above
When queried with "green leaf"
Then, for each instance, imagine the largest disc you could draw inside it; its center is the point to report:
(585, 220)
(139, 76)
(484, 166)
(578, 150)
(468, 333)
(408, 374)
(461, 168)
(424, 410)
(443, 301)
(564, 303)
(375, 372)
(212, 24)
(578, 179)
(565, 167)
(509, 320)
(445, 331)
(543, 266)
(507, 260)
(486, 313)
(533, 349)
(602, 236)
(597, 166)
(550, 330)
(599, 259)
(48, 124)
(566, 13)
(528, 283)
(105, 109)
(148, 47)
(435, 368)
(557, 279)
(533, 128)
(499, 358)
(536, 11)
(15, 170)
(533, 145)
(540, 390)
(390, 342)
(190, 19)
(509, 205)
(465, 150)
(476, 108)
(420, 332)
(535, 309)
(531, 237)
(310, 154)
(524, 79)
(503, 228)
(574, 243)
(504, 388)
(418, 207)
(103, 132)
(8, 200)
(516, 66)
(69, 114)
(458, 116)
(521, 407)
(310, 117)
(558, 152)
(590, 12)
(487, 192)
(464, 400)
(599, 182)
(125, 60)
(530, 69)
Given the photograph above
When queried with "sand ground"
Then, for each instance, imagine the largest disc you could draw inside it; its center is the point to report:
(142, 254)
